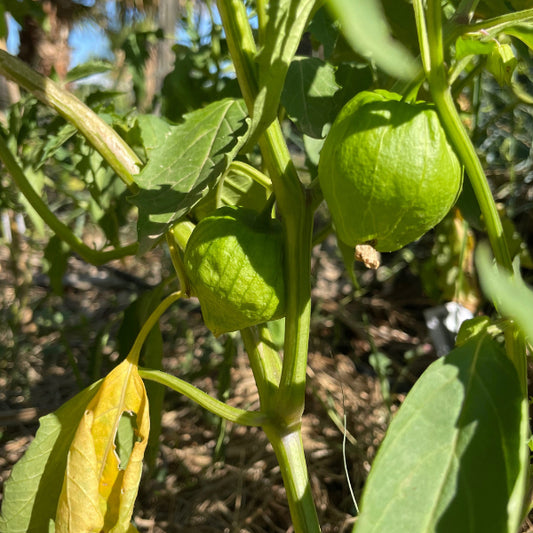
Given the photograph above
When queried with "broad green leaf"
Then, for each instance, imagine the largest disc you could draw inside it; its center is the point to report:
(308, 95)
(366, 29)
(455, 456)
(153, 131)
(524, 32)
(476, 44)
(494, 8)
(287, 21)
(234, 189)
(401, 18)
(32, 491)
(188, 163)
(97, 494)
(352, 78)
(472, 328)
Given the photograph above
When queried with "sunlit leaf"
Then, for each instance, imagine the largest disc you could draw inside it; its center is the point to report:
(97, 495)
(32, 492)
(152, 131)
(236, 189)
(186, 165)
(470, 45)
(366, 29)
(455, 457)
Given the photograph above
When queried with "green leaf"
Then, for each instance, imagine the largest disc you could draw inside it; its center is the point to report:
(55, 141)
(476, 44)
(32, 492)
(325, 30)
(524, 32)
(153, 131)
(308, 95)
(472, 328)
(511, 296)
(286, 23)
(501, 63)
(455, 457)
(186, 165)
(37, 180)
(366, 29)
(125, 438)
(89, 68)
(234, 189)
(352, 78)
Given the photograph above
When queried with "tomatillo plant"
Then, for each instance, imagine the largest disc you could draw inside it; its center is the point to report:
(391, 167)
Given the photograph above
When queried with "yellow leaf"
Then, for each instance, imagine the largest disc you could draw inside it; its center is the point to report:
(97, 495)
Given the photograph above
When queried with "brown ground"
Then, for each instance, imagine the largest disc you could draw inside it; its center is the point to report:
(198, 485)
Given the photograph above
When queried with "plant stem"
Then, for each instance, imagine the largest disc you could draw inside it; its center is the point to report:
(103, 137)
(297, 214)
(457, 134)
(286, 404)
(244, 169)
(225, 411)
(265, 363)
(94, 257)
(294, 205)
(288, 448)
(150, 323)
(451, 121)
(495, 24)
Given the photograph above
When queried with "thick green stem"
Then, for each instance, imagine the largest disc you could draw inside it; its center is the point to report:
(94, 257)
(105, 139)
(241, 46)
(289, 451)
(432, 41)
(432, 47)
(296, 213)
(265, 363)
(294, 204)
